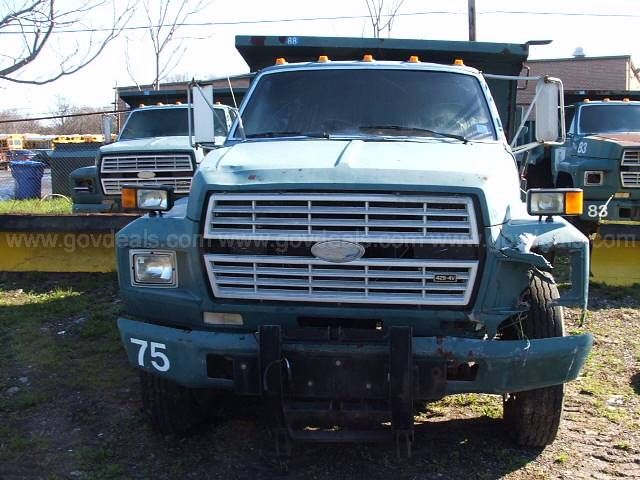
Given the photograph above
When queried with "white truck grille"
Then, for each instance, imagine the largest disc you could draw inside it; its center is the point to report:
(172, 169)
(386, 281)
(630, 169)
(254, 223)
(152, 163)
(112, 186)
(354, 217)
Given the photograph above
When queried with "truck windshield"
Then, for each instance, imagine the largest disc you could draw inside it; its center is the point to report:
(368, 102)
(165, 122)
(609, 118)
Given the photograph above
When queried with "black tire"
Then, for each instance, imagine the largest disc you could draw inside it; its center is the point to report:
(171, 408)
(532, 417)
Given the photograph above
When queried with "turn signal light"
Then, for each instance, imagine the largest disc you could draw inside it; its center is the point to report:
(573, 202)
(128, 198)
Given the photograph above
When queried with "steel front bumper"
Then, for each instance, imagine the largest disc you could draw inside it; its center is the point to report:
(185, 357)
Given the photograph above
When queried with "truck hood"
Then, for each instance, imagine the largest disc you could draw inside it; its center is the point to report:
(625, 139)
(147, 144)
(485, 169)
(607, 145)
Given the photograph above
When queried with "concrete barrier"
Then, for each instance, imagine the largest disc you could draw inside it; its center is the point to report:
(615, 259)
(59, 243)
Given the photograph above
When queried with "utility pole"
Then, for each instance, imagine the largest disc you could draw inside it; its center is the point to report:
(472, 20)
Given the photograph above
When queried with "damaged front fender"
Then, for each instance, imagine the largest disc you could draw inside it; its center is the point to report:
(538, 242)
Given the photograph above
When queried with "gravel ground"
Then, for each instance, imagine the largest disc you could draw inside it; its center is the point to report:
(70, 406)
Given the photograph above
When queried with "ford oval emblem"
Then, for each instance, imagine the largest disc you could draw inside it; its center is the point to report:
(337, 251)
(146, 175)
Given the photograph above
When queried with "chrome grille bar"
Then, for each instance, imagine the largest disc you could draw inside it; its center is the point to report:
(630, 169)
(388, 281)
(356, 217)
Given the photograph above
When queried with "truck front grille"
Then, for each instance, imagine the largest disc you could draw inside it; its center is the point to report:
(418, 249)
(174, 169)
(630, 169)
(355, 217)
(112, 186)
(387, 281)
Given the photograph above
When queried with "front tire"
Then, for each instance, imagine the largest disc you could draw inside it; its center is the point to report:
(171, 408)
(533, 416)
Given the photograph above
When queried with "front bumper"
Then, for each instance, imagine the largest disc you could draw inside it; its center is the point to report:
(187, 357)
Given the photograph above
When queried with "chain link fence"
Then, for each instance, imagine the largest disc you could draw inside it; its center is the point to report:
(35, 169)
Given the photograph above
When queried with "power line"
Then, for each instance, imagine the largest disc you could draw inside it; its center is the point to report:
(68, 115)
(342, 17)
(345, 17)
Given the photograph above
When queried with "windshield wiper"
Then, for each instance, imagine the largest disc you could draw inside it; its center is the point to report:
(414, 129)
(276, 134)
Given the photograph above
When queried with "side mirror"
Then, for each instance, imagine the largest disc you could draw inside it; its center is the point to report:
(550, 128)
(203, 114)
(107, 128)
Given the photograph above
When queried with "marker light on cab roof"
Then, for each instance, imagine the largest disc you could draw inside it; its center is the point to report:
(367, 57)
(280, 61)
(458, 62)
(414, 59)
(323, 59)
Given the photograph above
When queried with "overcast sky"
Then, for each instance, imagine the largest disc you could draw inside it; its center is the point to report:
(600, 28)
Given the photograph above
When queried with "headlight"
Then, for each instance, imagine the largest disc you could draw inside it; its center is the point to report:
(153, 268)
(156, 198)
(593, 177)
(557, 201)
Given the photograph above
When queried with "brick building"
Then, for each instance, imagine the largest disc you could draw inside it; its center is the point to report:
(612, 73)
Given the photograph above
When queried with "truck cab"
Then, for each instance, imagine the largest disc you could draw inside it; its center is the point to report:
(359, 244)
(601, 155)
(153, 148)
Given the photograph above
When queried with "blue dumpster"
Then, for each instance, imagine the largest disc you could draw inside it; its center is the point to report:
(28, 179)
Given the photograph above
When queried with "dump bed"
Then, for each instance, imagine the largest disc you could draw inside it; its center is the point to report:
(496, 58)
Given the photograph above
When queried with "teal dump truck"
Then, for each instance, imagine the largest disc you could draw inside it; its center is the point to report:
(601, 156)
(359, 245)
(152, 149)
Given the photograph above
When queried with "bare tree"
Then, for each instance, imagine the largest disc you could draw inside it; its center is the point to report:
(382, 19)
(164, 18)
(29, 28)
(66, 124)
(29, 126)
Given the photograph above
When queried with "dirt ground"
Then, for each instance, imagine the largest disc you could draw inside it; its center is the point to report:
(70, 407)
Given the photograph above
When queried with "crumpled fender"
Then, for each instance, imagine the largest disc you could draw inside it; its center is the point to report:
(534, 241)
